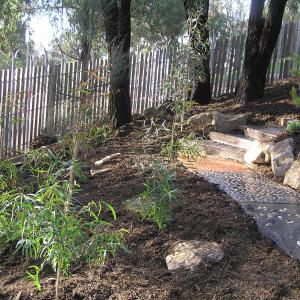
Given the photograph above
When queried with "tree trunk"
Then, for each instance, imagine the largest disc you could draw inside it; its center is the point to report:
(261, 41)
(118, 35)
(199, 40)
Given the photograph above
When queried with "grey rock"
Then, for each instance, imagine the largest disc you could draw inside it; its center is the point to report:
(229, 122)
(189, 254)
(201, 120)
(282, 157)
(292, 177)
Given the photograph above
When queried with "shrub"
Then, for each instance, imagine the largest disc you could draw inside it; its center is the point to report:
(293, 126)
(42, 223)
(154, 202)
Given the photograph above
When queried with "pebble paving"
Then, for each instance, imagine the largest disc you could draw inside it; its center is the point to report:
(275, 208)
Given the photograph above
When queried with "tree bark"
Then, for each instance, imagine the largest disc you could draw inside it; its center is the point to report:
(261, 40)
(199, 40)
(118, 36)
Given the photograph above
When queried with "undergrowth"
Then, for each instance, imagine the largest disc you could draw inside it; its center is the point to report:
(155, 201)
(40, 220)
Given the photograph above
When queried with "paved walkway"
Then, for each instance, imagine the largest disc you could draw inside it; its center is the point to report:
(275, 208)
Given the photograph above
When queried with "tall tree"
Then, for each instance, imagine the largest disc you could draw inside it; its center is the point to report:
(118, 36)
(197, 13)
(261, 40)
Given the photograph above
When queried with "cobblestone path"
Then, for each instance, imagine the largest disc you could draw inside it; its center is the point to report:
(275, 208)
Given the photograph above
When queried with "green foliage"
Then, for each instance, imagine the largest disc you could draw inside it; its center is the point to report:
(296, 72)
(154, 203)
(43, 230)
(12, 31)
(293, 126)
(185, 146)
(39, 219)
(157, 22)
(8, 175)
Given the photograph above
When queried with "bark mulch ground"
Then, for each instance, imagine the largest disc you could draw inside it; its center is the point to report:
(252, 268)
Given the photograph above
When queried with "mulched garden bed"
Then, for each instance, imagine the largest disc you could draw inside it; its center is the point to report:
(252, 268)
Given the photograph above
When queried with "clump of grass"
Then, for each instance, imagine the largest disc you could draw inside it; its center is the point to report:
(187, 146)
(8, 175)
(293, 126)
(154, 202)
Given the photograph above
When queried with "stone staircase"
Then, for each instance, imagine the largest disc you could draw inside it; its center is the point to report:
(234, 145)
(232, 138)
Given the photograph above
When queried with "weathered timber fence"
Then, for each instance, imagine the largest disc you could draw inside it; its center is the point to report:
(38, 99)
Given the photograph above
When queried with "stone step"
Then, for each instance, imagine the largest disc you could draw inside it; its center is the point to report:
(231, 139)
(261, 133)
(212, 148)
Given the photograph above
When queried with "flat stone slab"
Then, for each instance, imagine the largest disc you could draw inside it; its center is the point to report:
(223, 151)
(275, 208)
(261, 133)
(231, 139)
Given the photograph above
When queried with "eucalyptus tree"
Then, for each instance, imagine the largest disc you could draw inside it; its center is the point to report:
(197, 16)
(117, 24)
(262, 35)
(157, 22)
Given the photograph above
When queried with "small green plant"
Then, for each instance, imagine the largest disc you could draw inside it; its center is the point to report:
(154, 202)
(8, 175)
(48, 229)
(187, 146)
(293, 126)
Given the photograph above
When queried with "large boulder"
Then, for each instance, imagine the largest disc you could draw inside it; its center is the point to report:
(189, 254)
(282, 157)
(292, 177)
(228, 122)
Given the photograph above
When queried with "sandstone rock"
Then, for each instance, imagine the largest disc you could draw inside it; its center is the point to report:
(282, 157)
(292, 177)
(255, 154)
(153, 112)
(266, 147)
(229, 122)
(201, 120)
(284, 121)
(189, 254)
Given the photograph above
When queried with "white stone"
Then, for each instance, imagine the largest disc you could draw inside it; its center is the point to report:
(189, 254)
(255, 154)
(282, 157)
(292, 177)
(258, 153)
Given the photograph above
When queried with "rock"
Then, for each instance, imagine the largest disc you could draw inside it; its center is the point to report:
(255, 154)
(201, 120)
(258, 153)
(284, 121)
(282, 157)
(189, 254)
(292, 177)
(266, 147)
(153, 112)
(229, 122)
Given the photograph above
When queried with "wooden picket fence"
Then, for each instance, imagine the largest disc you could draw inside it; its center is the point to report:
(37, 99)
